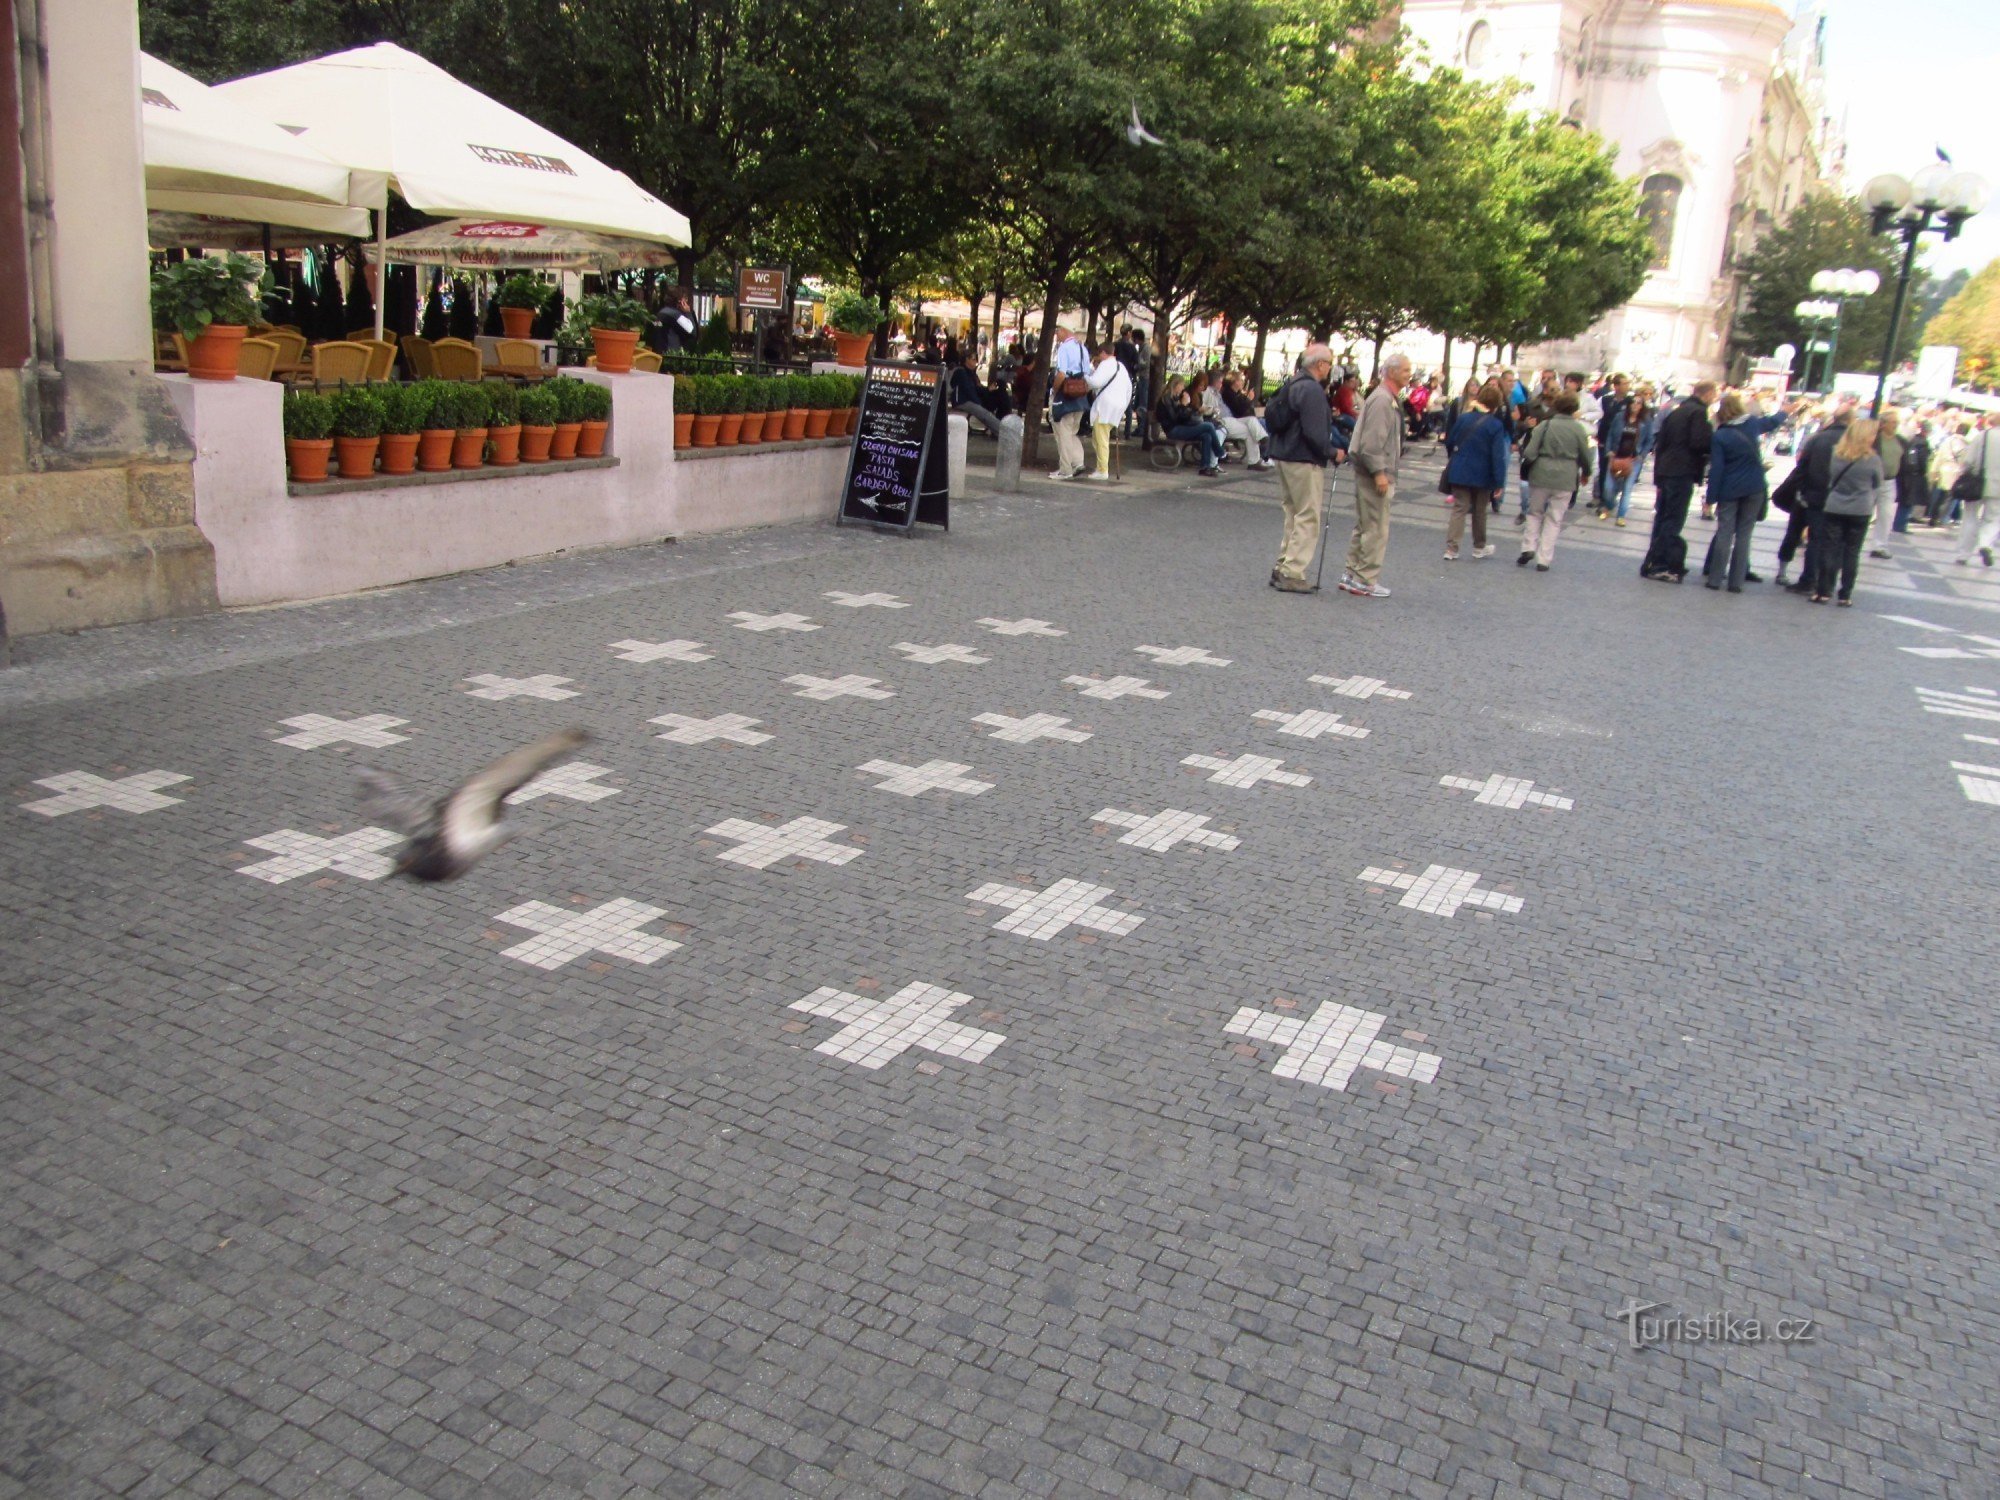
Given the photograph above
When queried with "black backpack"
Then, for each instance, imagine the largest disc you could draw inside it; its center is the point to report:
(1280, 415)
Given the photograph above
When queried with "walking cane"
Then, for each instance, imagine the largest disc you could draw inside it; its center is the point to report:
(1319, 576)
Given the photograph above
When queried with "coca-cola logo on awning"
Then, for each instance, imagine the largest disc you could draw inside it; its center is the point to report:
(498, 231)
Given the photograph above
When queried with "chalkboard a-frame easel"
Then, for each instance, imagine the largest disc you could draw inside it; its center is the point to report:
(896, 467)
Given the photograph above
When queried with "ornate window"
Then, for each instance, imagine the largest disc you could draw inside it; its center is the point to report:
(1477, 42)
(1659, 206)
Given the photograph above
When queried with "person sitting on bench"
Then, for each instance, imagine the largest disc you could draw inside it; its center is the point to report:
(967, 395)
(1180, 422)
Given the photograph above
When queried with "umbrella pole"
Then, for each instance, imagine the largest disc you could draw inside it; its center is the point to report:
(381, 266)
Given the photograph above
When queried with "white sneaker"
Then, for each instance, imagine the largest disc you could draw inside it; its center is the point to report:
(1373, 591)
(1058, 474)
(1486, 551)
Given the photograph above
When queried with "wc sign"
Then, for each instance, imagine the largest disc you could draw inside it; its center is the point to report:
(760, 288)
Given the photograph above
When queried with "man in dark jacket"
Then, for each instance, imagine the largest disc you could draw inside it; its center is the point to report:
(1815, 466)
(1680, 462)
(1301, 445)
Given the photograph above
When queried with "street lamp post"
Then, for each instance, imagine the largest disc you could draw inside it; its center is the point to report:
(1818, 317)
(1907, 207)
(1840, 286)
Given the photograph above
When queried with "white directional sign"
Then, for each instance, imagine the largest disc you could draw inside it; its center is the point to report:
(1979, 783)
(1440, 890)
(81, 791)
(874, 1032)
(1163, 830)
(1973, 703)
(1506, 791)
(1042, 915)
(562, 937)
(313, 731)
(1331, 1044)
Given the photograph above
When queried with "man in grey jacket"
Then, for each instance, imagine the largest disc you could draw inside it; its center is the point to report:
(1377, 448)
(1299, 420)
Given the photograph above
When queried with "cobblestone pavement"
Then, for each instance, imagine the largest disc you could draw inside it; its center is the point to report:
(1188, 1040)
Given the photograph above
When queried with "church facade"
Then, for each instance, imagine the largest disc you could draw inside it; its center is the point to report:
(1715, 107)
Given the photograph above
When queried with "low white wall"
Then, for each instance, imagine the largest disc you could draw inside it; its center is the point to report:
(272, 547)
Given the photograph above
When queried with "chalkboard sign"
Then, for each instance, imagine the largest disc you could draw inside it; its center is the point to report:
(896, 469)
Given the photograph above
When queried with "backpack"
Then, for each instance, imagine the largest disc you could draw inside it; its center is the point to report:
(1280, 415)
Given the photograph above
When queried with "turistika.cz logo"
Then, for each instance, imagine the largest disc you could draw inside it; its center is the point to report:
(1648, 1328)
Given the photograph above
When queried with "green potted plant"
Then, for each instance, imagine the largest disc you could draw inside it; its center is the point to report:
(538, 423)
(614, 323)
(405, 409)
(595, 406)
(357, 430)
(569, 416)
(683, 411)
(210, 301)
(820, 396)
(754, 397)
(731, 430)
(850, 398)
(471, 414)
(706, 396)
(853, 319)
(308, 435)
(797, 398)
(440, 430)
(521, 298)
(503, 423)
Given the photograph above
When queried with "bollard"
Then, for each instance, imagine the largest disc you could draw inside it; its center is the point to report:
(957, 429)
(1007, 466)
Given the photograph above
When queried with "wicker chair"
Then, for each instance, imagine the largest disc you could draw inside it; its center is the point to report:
(367, 335)
(518, 357)
(417, 354)
(291, 345)
(381, 357)
(257, 359)
(455, 359)
(340, 362)
(647, 360)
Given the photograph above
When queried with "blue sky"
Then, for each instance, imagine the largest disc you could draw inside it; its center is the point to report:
(1913, 76)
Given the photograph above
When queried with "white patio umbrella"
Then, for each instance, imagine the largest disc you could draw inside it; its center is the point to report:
(447, 148)
(210, 156)
(496, 244)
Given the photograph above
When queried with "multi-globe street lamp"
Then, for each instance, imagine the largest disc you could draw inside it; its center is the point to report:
(1839, 286)
(1817, 318)
(1936, 200)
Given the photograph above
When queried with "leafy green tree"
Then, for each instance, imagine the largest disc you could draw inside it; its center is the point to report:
(1823, 233)
(1970, 321)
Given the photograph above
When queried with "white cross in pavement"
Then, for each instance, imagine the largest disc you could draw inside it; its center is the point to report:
(1019, 627)
(1359, 687)
(358, 854)
(1163, 830)
(1507, 791)
(1114, 687)
(1973, 703)
(1441, 891)
(562, 937)
(661, 651)
(545, 685)
(1981, 785)
(575, 781)
(750, 620)
(1329, 1045)
(139, 793)
(760, 845)
(862, 601)
(947, 652)
(912, 781)
(1182, 656)
(315, 730)
(683, 730)
(1041, 915)
(1034, 727)
(874, 1031)
(1310, 723)
(825, 688)
(1246, 770)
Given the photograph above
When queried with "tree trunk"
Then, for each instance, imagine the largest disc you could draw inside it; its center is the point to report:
(1444, 385)
(999, 301)
(1229, 344)
(1375, 370)
(1257, 363)
(1044, 363)
(972, 323)
(1472, 369)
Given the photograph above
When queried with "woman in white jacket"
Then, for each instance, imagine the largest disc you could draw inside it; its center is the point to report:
(1110, 395)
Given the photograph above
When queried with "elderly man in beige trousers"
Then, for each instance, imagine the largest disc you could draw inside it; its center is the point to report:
(1376, 449)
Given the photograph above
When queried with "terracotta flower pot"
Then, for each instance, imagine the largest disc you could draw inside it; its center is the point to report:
(851, 349)
(683, 429)
(753, 426)
(849, 415)
(468, 448)
(590, 441)
(308, 457)
(211, 354)
(615, 348)
(774, 426)
(565, 444)
(399, 452)
(434, 449)
(731, 430)
(704, 430)
(836, 422)
(816, 421)
(795, 423)
(518, 322)
(357, 456)
(535, 444)
(506, 445)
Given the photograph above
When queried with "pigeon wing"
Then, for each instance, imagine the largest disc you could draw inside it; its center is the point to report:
(475, 807)
(384, 800)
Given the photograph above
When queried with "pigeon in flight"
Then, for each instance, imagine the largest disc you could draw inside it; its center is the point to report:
(1943, 155)
(447, 837)
(1137, 133)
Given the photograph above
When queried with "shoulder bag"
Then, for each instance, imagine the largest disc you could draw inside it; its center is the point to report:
(1970, 485)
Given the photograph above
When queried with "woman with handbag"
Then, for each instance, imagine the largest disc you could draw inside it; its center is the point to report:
(1737, 488)
(1978, 492)
(1622, 464)
(1556, 459)
(1476, 470)
(1850, 505)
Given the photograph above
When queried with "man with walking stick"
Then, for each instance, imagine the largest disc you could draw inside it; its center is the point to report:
(1298, 417)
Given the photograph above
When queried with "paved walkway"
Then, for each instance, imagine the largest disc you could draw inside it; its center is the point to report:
(1026, 1012)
